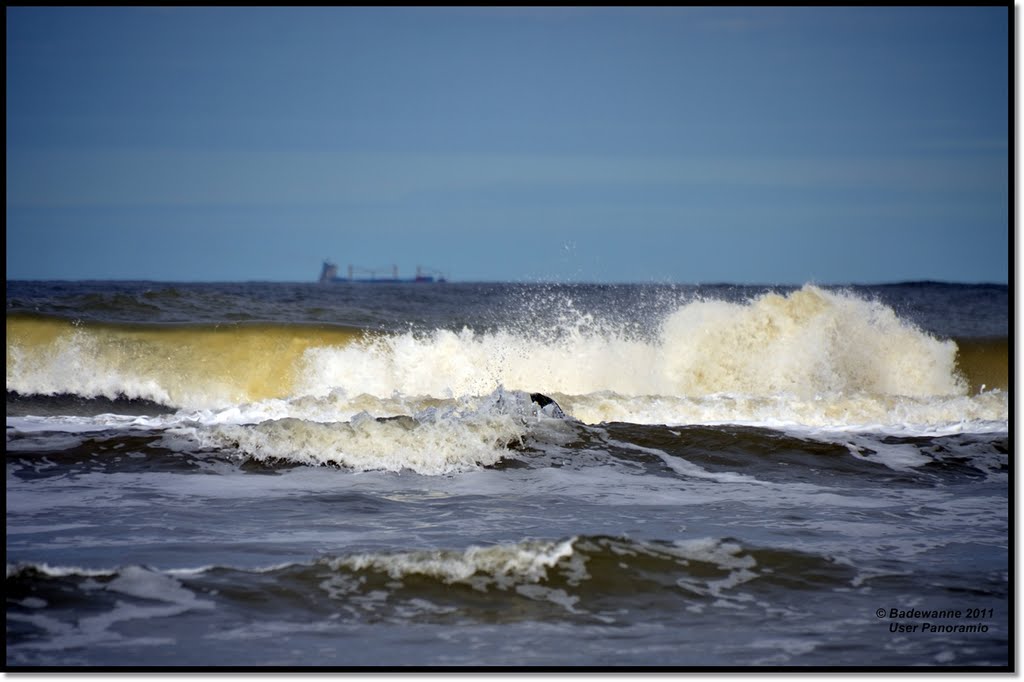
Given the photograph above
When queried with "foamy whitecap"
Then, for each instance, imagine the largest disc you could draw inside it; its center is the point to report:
(79, 363)
(809, 343)
(939, 415)
(812, 357)
(500, 566)
(435, 441)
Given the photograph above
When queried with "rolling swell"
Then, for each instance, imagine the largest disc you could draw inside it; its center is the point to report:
(43, 454)
(581, 578)
(597, 580)
(64, 404)
(773, 455)
(503, 431)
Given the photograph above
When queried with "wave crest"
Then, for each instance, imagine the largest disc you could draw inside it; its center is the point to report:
(775, 351)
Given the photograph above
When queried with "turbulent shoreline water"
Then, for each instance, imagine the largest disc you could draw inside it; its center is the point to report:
(347, 475)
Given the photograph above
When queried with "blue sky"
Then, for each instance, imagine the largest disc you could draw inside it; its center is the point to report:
(696, 145)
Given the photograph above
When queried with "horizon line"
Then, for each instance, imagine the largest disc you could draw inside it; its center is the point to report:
(662, 282)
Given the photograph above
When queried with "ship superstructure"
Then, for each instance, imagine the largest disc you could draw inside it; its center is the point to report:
(329, 274)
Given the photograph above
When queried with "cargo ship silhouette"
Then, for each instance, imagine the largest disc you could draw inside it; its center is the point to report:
(329, 274)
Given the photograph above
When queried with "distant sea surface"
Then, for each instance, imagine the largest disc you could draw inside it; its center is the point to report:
(457, 474)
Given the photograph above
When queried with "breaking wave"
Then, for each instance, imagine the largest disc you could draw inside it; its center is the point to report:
(813, 356)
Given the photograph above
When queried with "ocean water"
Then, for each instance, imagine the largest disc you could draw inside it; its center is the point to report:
(444, 475)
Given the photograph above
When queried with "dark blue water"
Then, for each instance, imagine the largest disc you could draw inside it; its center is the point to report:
(260, 474)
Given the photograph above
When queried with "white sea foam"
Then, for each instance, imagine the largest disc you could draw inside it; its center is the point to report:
(726, 556)
(898, 415)
(501, 566)
(56, 571)
(81, 363)
(434, 441)
(812, 342)
(521, 566)
(813, 358)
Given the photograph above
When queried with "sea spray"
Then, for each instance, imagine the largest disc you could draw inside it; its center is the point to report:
(811, 356)
(812, 342)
